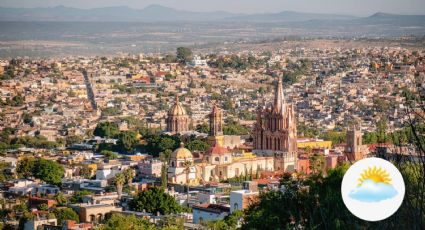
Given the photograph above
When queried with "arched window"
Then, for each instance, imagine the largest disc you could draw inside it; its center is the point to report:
(172, 164)
(225, 159)
(217, 159)
(235, 206)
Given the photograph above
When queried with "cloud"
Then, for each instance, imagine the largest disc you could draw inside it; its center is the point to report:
(370, 191)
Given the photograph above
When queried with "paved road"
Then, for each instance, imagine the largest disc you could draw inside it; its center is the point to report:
(89, 88)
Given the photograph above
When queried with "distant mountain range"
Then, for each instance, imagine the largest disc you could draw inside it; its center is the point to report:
(157, 13)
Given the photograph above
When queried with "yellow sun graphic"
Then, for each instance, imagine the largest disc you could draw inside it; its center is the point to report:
(376, 175)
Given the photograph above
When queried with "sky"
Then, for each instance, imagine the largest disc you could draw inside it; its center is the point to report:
(351, 7)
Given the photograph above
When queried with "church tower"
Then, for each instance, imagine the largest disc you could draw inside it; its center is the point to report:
(215, 136)
(354, 148)
(275, 133)
(177, 119)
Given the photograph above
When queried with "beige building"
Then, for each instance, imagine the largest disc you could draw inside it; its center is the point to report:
(218, 163)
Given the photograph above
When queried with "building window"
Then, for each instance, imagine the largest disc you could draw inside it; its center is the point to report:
(217, 159)
(235, 206)
(225, 159)
(172, 163)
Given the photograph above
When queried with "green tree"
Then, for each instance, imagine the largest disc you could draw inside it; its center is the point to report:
(106, 129)
(160, 143)
(78, 196)
(26, 167)
(155, 200)
(171, 223)
(127, 140)
(203, 128)
(129, 175)
(317, 163)
(86, 172)
(184, 54)
(49, 171)
(61, 199)
(109, 154)
(119, 182)
(73, 139)
(164, 178)
(198, 145)
(118, 221)
(314, 203)
(63, 214)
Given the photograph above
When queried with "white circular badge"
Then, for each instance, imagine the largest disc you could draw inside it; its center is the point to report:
(372, 189)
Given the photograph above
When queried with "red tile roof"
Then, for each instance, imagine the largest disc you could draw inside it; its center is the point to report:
(217, 150)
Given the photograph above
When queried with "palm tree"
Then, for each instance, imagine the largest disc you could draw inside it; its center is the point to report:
(187, 165)
(119, 183)
(129, 175)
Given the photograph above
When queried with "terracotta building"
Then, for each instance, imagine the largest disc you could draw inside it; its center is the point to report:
(275, 132)
(178, 120)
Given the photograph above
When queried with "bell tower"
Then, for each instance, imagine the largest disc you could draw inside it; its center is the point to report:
(216, 136)
(353, 148)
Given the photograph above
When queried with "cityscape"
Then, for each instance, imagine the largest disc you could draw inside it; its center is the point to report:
(163, 118)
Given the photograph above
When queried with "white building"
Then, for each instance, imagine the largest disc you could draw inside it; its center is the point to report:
(241, 199)
(198, 62)
(209, 212)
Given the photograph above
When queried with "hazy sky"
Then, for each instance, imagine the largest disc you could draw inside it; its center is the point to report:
(354, 7)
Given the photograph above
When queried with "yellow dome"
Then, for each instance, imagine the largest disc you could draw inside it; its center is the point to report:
(177, 109)
(181, 153)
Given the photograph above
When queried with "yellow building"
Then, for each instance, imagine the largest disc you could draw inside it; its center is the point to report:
(314, 144)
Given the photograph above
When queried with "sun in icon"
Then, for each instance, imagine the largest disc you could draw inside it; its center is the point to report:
(377, 175)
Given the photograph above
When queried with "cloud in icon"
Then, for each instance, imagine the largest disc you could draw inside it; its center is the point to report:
(371, 191)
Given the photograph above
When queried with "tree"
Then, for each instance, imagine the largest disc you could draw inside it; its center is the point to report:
(118, 221)
(61, 199)
(78, 196)
(203, 128)
(27, 118)
(155, 200)
(127, 140)
(129, 175)
(73, 139)
(160, 143)
(171, 223)
(164, 176)
(187, 165)
(230, 222)
(86, 172)
(198, 145)
(109, 154)
(106, 129)
(63, 214)
(317, 163)
(26, 167)
(49, 171)
(184, 54)
(314, 203)
(119, 181)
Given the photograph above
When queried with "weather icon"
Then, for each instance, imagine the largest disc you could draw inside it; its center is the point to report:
(374, 186)
(372, 189)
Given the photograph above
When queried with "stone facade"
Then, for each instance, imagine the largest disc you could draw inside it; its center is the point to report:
(178, 120)
(275, 133)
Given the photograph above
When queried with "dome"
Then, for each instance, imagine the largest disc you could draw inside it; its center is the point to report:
(177, 109)
(181, 153)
